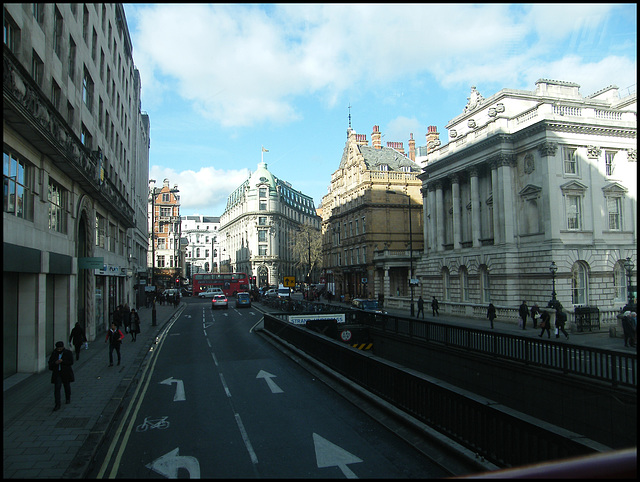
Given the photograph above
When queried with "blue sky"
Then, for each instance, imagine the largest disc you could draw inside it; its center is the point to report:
(219, 81)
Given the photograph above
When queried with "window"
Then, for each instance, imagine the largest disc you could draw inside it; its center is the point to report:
(464, 284)
(262, 235)
(55, 94)
(160, 261)
(262, 250)
(263, 192)
(94, 46)
(57, 207)
(363, 230)
(72, 59)
(166, 197)
(485, 290)
(197, 252)
(614, 209)
(383, 167)
(85, 137)
(165, 212)
(356, 226)
(57, 32)
(579, 284)
(570, 160)
(37, 68)
(619, 283)
(38, 12)
(87, 90)
(263, 205)
(85, 26)
(18, 182)
(446, 284)
(101, 230)
(162, 243)
(364, 255)
(574, 214)
(262, 221)
(113, 237)
(608, 162)
(11, 33)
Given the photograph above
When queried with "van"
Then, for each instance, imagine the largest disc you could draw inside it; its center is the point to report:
(284, 292)
(210, 293)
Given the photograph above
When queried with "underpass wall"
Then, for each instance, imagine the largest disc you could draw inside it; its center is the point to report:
(600, 412)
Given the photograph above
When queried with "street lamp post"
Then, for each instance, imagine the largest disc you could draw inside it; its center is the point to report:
(553, 269)
(628, 266)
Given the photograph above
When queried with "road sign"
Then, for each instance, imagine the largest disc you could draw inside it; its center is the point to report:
(345, 335)
(289, 281)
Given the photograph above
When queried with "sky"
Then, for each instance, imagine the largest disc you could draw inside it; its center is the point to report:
(222, 81)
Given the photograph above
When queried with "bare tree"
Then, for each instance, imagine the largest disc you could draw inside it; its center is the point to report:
(307, 248)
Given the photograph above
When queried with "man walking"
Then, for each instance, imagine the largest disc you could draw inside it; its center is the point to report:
(114, 337)
(524, 312)
(60, 363)
(420, 307)
(434, 306)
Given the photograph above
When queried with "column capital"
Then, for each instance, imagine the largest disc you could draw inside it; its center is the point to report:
(547, 148)
(474, 171)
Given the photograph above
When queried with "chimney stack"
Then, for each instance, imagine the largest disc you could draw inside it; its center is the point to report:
(433, 138)
(412, 148)
(376, 138)
(397, 146)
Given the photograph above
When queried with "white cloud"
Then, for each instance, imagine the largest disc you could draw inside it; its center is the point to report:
(206, 190)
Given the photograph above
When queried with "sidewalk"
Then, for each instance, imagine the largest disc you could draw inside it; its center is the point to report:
(41, 443)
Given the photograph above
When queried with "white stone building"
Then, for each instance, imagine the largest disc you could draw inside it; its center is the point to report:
(258, 227)
(527, 178)
(75, 171)
(202, 252)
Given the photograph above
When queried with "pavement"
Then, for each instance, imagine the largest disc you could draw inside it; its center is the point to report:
(41, 443)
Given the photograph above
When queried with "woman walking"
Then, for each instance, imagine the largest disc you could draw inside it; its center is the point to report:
(77, 338)
(135, 324)
(491, 314)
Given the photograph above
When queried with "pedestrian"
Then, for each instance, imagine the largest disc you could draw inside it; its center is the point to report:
(380, 300)
(176, 300)
(561, 319)
(628, 327)
(60, 363)
(117, 316)
(420, 307)
(77, 338)
(491, 314)
(523, 311)
(434, 306)
(114, 337)
(535, 315)
(135, 324)
(126, 317)
(545, 324)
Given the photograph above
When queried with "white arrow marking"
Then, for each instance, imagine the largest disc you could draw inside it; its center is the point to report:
(169, 463)
(330, 455)
(179, 396)
(267, 377)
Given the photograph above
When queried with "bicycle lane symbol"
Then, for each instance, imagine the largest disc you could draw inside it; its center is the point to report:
(149, 424)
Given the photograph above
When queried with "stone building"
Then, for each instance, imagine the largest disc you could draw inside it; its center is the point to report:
(164, 251)
(201, 233)
(75, 171)
(527, 178)
(259, 226)
(371, 222)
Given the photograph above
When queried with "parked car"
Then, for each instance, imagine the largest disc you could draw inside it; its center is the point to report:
(219, 301)
(366, 305)
(272, 293)
(243, 299)
(210, 293)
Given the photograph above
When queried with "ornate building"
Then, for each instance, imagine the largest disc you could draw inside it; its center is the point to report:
(371, 222)
(259, 226)
(164, 251)
(529, 178)
(202, 248)
(75, 171)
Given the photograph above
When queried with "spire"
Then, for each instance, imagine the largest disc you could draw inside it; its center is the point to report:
(349, 115)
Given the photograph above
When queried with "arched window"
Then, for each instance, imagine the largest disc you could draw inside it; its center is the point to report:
(464, 284)
(579, 284)
(619, 283)
(197, 252)
(446, 284)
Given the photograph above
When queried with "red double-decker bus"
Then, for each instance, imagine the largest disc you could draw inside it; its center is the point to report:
(230, 283)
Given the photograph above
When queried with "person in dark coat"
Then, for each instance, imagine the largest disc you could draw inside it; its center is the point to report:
(420, 307)
(561, 319)
(77, 338)
(434, 306)
(523, 311)
(545, 324)
(135, 324)
(126, 317)
(60, 363)
(491, 314)
(114, 337)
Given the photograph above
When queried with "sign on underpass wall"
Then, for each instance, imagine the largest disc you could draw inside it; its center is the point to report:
(303, 319)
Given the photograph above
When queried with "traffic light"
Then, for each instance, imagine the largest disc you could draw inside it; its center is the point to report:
(177, 281)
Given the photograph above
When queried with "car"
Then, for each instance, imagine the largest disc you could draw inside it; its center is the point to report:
(219, 301)
(243, 299)
(272, 293)
(284, 292)
(210, 293)
(366, 305)
(185, 292)
(171, 292)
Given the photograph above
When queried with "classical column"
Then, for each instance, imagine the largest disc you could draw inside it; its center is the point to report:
(455, 192)
(439, 218)
(507, 201)
(432, 218)
(425, 219)
(497, 205)
(475, 208)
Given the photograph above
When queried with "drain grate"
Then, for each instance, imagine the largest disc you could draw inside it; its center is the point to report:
(77, 422)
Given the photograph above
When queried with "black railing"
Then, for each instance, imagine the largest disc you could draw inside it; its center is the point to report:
(491, 430)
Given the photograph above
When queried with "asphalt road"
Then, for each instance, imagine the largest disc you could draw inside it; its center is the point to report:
(218, 401)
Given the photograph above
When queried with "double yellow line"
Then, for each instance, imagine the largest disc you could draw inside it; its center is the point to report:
(148, 370)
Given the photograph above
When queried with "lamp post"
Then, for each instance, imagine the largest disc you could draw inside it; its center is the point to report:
(628, 266)
(553, 269)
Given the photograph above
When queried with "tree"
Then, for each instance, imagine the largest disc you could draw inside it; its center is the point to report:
(307, 248)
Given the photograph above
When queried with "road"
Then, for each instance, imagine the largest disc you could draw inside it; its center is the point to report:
(215, 400)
